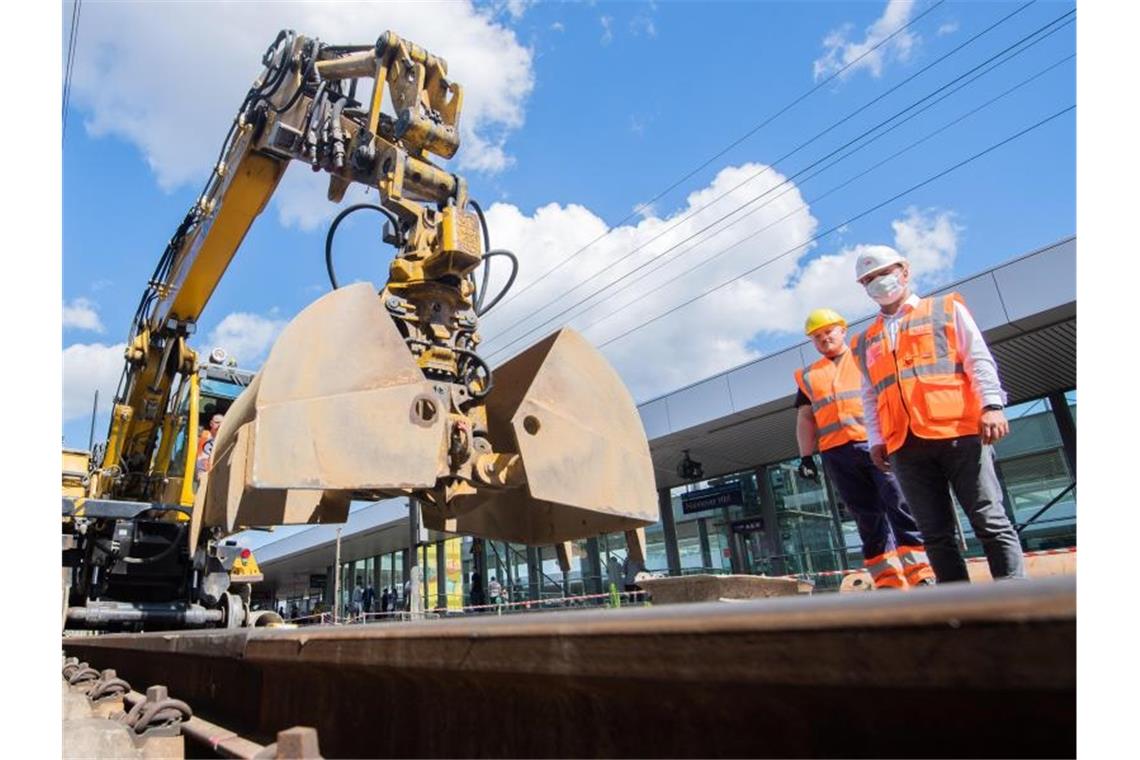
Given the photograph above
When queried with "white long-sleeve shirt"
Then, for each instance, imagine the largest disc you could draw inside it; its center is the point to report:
(976, 358)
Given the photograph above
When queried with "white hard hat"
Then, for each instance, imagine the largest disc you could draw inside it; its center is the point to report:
(875, 257)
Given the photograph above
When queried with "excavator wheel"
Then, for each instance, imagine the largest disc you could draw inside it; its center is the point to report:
(234, 610)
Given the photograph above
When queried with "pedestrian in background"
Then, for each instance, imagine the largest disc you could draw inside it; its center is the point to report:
(357, 599)
(829, 413)
(937, 403)
(477, 597)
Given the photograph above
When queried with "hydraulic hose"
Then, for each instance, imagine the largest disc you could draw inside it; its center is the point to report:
(480, 311)
(482, 291)
(336, 223)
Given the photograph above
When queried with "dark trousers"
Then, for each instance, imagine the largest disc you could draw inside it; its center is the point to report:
(873, 498)
(927, 470)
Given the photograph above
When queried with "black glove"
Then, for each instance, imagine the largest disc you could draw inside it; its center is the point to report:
(807, 468)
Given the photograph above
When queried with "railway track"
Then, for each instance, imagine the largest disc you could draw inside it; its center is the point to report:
(952, 671)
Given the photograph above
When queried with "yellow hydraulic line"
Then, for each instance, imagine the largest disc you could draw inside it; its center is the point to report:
(187, 498)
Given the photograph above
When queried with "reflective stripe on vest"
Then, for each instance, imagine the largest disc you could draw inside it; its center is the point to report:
(921, 386)
(834, 389)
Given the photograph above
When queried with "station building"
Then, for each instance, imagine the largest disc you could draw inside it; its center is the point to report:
(750, 512)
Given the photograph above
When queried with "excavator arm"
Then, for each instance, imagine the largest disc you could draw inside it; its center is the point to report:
(372, 392)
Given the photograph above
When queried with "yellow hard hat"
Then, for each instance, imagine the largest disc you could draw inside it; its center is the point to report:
(822, 318)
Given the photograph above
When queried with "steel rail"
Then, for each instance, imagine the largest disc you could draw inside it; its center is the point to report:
(920, 673)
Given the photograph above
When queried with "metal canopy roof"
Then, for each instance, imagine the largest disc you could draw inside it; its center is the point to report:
(1027, 309)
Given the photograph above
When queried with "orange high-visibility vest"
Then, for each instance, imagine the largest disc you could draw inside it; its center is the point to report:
(835, 391)
(922, 386)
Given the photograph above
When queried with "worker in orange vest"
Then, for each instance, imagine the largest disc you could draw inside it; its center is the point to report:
(206, 443)
(829, 412)
(937, 400)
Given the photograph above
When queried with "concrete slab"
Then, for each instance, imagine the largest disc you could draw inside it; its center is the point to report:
(713, 588)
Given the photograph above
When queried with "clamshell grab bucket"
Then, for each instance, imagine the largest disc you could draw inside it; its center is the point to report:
(563, 408)
(341, 406)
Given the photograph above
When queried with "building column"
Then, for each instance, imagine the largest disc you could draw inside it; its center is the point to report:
(1067, 427)
(411, 556)
(533, 572)
(441, 574)
(377, 591)
(706, 550)
(771, 540)
(592, 570)
(479, 564)
(669, 531)
(330, 586)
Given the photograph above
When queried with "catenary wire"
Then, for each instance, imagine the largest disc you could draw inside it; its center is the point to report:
(753, 130)
(692, 212)
(73, 38)
(820, 197)
(847, 221)
(788, 180)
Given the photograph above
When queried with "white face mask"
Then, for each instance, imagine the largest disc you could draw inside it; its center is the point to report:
(885, 289)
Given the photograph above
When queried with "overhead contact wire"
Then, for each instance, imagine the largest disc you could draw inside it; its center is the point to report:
(693, 212)
(818, 198)
(1056, 23)
(736, 142)
(847, 221)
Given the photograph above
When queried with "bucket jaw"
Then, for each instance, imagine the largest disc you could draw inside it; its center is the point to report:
(584, 464)
(341, 410)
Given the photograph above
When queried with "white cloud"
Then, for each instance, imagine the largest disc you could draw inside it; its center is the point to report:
(168, 77)
(947, 28)
(642, 24)
(929, 240)
(714, 333)
(607, 29)
(82, 314)
(88, 367)
(841, 51)
(558, 26)
(246, 337)
(516, 8)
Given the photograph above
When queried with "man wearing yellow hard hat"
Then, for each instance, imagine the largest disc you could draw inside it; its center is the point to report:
(829, 409)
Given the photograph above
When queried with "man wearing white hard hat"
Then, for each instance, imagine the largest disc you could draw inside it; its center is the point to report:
(934, 403)
(829, 414)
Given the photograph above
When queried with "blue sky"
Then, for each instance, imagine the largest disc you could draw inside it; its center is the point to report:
(574, 115)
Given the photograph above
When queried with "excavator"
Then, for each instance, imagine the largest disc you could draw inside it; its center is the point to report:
(367, 393)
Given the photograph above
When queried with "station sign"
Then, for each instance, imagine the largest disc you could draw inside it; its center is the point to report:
(717, 497)
(318, 581)
(751, 525)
